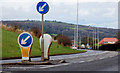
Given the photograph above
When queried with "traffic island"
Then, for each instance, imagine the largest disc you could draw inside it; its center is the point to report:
(51, 62)
(28, 63)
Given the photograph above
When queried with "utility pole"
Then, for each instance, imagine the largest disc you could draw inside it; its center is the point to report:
(62, 32)
(77, 20)
(93, 37)
(76, 29)
(98, 38)
(74, 37)
(88, 34)
(80, 38)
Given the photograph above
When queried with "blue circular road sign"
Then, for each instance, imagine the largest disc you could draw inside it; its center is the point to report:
(25, 39)
(42, 7)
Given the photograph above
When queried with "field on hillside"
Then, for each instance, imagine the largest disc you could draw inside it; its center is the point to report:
(57, 27)
(10, 47)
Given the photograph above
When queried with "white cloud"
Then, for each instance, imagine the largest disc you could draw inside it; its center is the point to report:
(111, 12)
(90, 11)
(84, 12)
(113, 25)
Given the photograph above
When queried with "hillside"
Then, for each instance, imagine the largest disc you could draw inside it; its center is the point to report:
(54, 28)
(10, 47)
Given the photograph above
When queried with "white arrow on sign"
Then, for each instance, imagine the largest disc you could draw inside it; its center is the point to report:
(41, 8)
(24, 41)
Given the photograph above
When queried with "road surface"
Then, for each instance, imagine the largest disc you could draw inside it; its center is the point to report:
(99, 62)
(89, 52)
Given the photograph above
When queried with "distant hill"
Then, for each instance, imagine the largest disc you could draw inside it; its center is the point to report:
(54, 28)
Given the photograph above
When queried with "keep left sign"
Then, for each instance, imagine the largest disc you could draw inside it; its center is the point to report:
(42, 7)
(25, 41)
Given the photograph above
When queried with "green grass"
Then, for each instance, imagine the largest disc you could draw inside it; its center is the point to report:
(10, 47)
(74, 28)
(118, 49)
(0, 42)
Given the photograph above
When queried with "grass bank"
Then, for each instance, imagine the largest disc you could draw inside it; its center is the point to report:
(10, 47)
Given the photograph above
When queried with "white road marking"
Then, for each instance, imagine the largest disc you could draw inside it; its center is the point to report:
(111, 56)
(21, 67)
(50, 66)
(101, 58)
(41, 66)
(81, 61)
(90, 60)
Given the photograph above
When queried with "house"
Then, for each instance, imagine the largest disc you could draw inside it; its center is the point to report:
(108, 41)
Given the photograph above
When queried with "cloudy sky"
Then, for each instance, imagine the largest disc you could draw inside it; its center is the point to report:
(99, 13)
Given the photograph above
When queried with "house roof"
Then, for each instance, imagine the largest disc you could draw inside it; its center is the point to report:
(108, 40)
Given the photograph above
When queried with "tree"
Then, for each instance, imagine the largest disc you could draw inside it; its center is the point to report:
(36, 31)
(118, 36)
(63, 40)
(85, 41)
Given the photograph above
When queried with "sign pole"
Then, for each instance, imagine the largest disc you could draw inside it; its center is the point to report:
(42, 41)
(42, 8)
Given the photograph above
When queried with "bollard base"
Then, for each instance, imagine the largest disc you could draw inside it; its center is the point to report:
(28, 63)
(25, 61)
(37, 62)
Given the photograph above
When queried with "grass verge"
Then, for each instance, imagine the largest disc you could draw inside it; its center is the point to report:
(10, 47)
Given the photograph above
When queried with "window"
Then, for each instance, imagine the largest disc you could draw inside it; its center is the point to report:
(105, 42)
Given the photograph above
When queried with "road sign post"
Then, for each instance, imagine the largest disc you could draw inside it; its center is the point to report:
(25, 41)
(42, 41)
(47, 45)
(42, 8)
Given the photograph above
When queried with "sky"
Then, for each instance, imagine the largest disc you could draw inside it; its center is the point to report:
(97, 13)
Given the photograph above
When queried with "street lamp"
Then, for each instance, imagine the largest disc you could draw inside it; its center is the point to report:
(88, 36)
(98, 38)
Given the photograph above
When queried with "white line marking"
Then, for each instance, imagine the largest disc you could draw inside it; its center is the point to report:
(111, 56)
(21, 67)
(101, 58)
(81, 61)
(90, 60)
(50, 66)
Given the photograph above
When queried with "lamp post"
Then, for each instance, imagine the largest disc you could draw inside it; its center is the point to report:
(77, 21)
(98, 38)
(88, 36)
(93, 37)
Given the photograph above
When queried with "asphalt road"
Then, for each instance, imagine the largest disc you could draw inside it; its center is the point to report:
(89, 52)
(103, 62)
(108, 64)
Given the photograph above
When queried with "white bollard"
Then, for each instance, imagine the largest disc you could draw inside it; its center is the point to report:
(47, 44)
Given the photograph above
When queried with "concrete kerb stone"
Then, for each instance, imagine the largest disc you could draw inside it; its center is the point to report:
(37, 62)
(28, 63)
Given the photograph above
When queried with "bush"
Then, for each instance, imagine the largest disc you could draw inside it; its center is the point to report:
(36, 32)
(118, 49)
(59, 35)
(64, 40)
(15, 27)
(10, 28)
